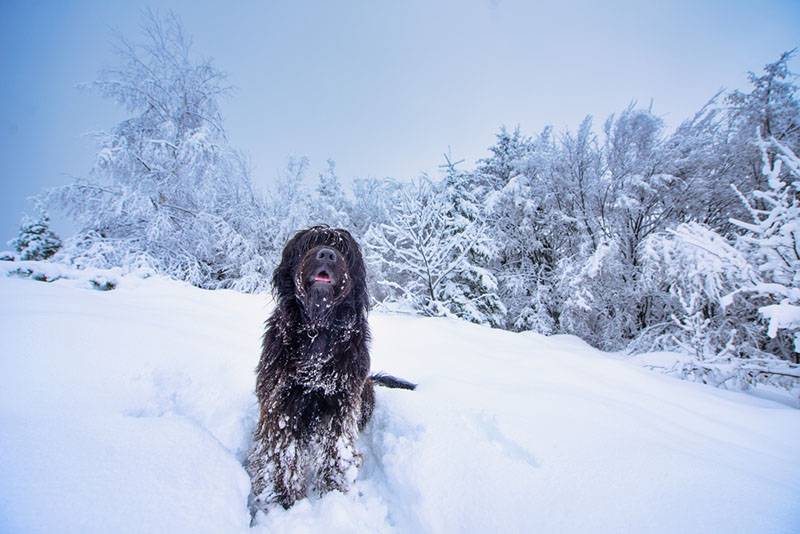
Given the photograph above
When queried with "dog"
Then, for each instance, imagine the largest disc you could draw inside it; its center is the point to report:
(312, 382)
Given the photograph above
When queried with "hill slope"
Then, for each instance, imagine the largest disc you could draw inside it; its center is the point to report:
(130, 411)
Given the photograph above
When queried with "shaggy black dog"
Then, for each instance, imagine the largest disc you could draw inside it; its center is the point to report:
(313, 385)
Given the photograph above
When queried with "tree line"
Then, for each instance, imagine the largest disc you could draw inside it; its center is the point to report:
(624, 233)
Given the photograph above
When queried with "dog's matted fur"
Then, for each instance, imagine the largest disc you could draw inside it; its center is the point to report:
(313, 385)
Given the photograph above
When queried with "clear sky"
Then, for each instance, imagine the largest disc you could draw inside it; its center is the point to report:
(381, 87)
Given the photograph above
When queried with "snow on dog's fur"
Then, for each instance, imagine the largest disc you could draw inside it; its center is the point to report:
(313, 385)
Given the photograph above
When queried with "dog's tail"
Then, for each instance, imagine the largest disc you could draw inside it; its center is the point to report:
(390, 381)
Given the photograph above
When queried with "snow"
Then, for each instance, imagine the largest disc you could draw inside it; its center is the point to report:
(781, 316)
(130, 410)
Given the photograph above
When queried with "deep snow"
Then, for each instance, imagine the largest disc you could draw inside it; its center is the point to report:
(130, 411)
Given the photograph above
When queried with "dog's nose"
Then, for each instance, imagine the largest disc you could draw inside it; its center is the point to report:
(326, 254)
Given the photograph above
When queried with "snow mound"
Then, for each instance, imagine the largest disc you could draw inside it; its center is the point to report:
(130, 411)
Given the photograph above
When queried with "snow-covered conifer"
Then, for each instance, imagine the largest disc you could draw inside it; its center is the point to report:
(472, 291)
(36, 241)
(331, 206)
(508, 152)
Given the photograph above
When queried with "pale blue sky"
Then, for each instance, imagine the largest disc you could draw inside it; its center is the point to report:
(381, 87)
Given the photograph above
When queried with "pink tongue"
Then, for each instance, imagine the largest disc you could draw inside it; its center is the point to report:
(322, 278)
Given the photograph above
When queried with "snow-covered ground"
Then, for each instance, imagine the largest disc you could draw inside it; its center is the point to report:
(130, 411)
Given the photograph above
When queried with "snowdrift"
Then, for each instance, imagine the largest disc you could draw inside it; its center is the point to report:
(130, 410)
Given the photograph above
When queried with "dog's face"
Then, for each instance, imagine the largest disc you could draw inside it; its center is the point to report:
(322, 280)
(322, 270)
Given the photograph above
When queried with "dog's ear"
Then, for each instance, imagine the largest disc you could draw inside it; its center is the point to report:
(283, 277)
(358, 272)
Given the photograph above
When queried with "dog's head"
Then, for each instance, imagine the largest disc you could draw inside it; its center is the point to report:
(323, 272)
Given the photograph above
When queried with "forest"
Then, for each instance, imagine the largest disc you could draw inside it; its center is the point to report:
(631, 235)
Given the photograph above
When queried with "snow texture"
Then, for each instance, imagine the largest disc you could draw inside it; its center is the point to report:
(130, 410)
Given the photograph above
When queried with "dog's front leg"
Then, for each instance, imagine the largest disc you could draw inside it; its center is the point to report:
(339, 458)
(277, 465)
(289, 461)
(260, 477)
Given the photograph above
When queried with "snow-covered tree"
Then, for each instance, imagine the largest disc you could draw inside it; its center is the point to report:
(35, 240)
(772, 242)
(639, 200)
(509, 151)
(166, 190)
(638, 197)
(331, 205)
(472, 292)
(598, 294)
(373, 203)
(690, 271)
(287, 208)
(700, 155)
(422, 252)
(576, 179)
(771, 107)
(733, 305)
(514, 189)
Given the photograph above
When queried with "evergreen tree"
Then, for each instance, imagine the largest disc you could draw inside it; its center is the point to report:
(472, 292)
(36, 241)
(331, 204)
(510, 150)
